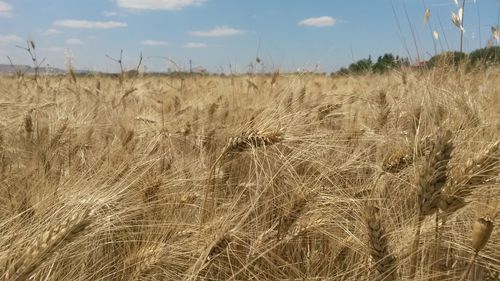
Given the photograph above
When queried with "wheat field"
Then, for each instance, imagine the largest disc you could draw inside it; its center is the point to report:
(252, 177)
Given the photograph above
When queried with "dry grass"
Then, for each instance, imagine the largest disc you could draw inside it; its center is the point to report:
(279, 177)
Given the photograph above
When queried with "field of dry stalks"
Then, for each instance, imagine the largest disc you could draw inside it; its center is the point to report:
(279, 177)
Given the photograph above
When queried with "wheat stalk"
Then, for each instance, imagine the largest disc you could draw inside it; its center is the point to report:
(48, 243)
(384, 110)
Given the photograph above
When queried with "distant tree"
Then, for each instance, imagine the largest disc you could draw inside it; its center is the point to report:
(361, 66)
(485, 56)
(132, 73)
(447, 59)
(385, 63)
(343, 70)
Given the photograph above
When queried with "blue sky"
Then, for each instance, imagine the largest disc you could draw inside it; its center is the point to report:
(285, 34)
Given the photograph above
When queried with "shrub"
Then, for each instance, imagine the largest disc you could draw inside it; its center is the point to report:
(485, 56)
(447, 59)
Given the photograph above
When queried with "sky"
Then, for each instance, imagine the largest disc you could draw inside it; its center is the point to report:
(228, 35)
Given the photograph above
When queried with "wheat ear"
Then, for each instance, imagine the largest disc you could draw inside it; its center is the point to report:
(433, 175)
(397, 161)
(401, 158)
(430, 181)
(252, 140)
(385, 262)
(241, 143)
(146, 260)
(48, 243)
(481, 232)
(476, 172)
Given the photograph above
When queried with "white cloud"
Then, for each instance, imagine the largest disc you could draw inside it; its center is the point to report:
(157, 4)
(192, 45)
(5, 9)
(6, 39)
(54, 49)
(89, 24)
(109, 13)
(74, 41)
(218, 31)
(318, 22)
(52, 31)
(154, 43)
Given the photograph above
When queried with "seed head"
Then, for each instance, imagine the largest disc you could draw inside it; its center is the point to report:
(481, 233)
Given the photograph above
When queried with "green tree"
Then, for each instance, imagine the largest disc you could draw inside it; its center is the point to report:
(363, 65)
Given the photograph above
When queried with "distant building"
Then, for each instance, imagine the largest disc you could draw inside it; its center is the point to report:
(422, 63)
(419, 65)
